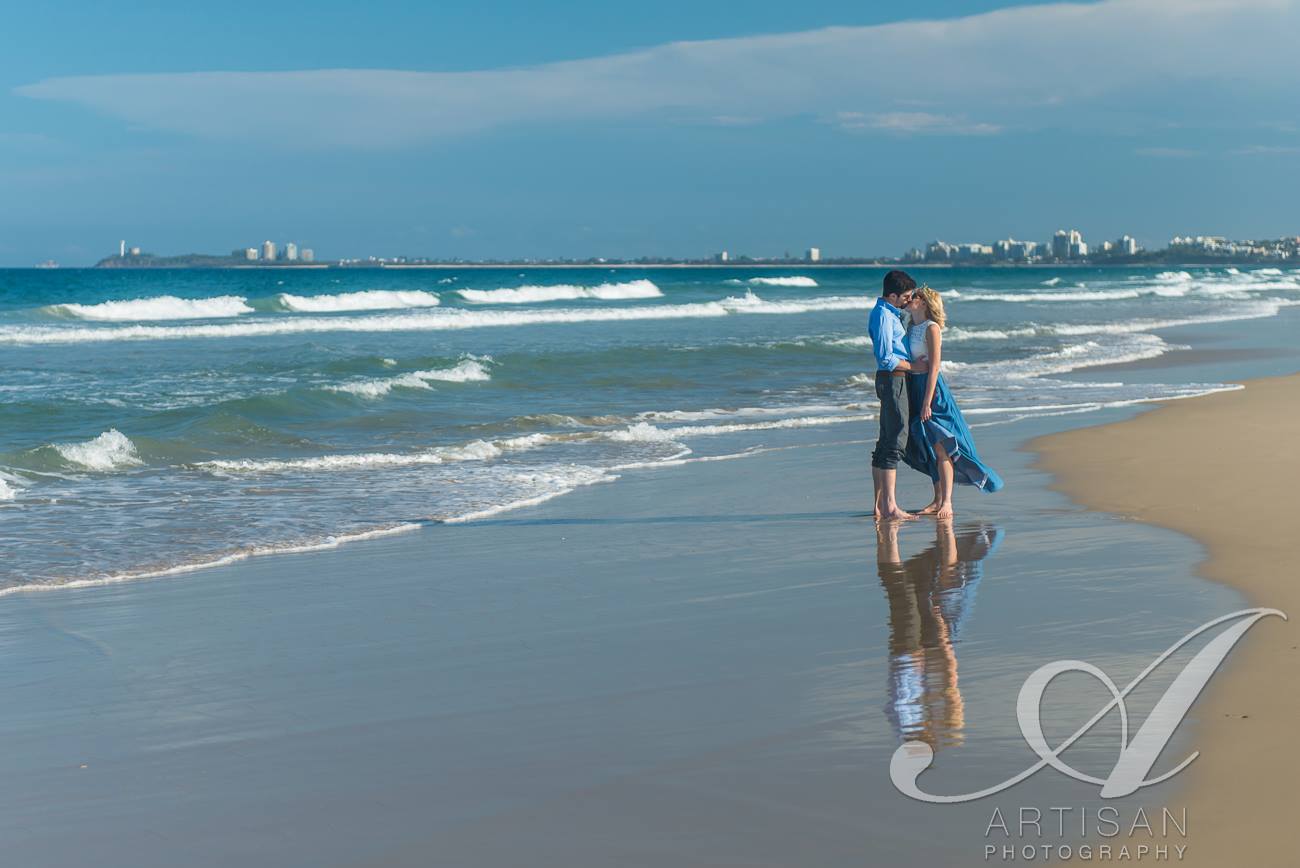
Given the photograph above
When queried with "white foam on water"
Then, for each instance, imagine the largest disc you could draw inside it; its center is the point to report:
(1071, 410)
(751, 303)
(1254, 310)
(1127, 348)
(640, 432)
(797, 280)
(329, 542)
(7, 490)
(644, 432)
(555, 483)
(1088, 295)
(439, 320)
(111, 450)
(1259, 309)
(371, 299)
(716, 413)
(467, 371)
(162, 307)
(475, 450)
(1051, 281)
(564, 292)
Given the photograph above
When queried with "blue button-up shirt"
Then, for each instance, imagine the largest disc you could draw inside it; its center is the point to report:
(888, 337)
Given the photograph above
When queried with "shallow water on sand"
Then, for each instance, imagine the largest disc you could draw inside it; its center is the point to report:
(193, 417)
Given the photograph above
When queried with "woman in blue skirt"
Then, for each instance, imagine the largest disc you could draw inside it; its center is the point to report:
(938, 442)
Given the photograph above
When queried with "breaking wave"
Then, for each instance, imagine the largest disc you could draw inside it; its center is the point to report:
(372, 299)
(162, 307)
(468, 370)
(563, 292)
(111, 450)
(441, 320)
(797, 280)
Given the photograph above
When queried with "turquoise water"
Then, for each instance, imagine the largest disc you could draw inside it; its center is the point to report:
(161, 420)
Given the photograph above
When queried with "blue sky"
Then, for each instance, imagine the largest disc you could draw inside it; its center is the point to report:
(674, 128)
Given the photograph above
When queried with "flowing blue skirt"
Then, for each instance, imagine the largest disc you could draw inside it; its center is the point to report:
(945, 426)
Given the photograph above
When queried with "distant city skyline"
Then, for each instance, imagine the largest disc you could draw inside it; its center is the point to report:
(679, 131)
(1064, 246)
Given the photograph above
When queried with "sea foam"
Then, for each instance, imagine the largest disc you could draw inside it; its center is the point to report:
(797, 280)
(371, 299)
(111, 450)
(162, 307)
(467, 371)
(563, 292)
(439, 320)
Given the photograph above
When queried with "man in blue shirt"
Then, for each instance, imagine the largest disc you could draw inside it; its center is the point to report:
(893, 361)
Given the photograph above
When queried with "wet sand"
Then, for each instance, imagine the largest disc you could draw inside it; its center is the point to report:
(695, 666)
(1220, 469)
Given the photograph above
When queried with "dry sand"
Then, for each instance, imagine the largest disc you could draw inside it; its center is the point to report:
(1221, 469)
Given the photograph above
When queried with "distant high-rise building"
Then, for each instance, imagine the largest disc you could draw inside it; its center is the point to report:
(968, 250)
(134, 251)
(1010, 249)
(1128, 246)
(1078, 249)
(250, 254)
(308, 255)
(1068, 245)
(940, 251)
(291, 252)
(814, 254)
(269, 251)
(722, 256)
(1061, 245)
(121, 248)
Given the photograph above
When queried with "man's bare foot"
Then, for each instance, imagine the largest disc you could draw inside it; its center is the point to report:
(894, 514)
(944, 512)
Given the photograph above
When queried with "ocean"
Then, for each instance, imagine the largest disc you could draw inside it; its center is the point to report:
(161, 421)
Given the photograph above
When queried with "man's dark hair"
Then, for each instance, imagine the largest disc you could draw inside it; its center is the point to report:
(897, 282)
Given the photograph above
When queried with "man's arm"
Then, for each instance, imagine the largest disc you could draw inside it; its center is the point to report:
(886, 358)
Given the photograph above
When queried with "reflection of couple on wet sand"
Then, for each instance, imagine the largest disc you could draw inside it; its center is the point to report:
(931, 596)
(920, 423)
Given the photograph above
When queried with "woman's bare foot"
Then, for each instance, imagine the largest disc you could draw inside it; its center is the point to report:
(929, 509)
(944, 511)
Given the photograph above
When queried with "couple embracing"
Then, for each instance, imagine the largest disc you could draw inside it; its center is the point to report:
(920, 423)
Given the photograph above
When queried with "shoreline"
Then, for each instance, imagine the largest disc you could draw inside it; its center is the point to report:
(1212, 470)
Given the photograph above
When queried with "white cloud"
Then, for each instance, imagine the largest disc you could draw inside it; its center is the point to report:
(1168, 153)
(1267, 150)
(910, 123)
(1027, 65)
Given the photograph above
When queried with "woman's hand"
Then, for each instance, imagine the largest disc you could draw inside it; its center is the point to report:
(925, 412)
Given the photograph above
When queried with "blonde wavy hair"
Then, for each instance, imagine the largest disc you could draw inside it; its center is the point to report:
(933, 305)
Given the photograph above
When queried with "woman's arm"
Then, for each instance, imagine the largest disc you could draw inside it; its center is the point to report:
(934, 340)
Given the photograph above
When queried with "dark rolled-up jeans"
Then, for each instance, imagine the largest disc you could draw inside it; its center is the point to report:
(892, 441)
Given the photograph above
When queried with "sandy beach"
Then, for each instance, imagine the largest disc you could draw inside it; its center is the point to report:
(1220, 469)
